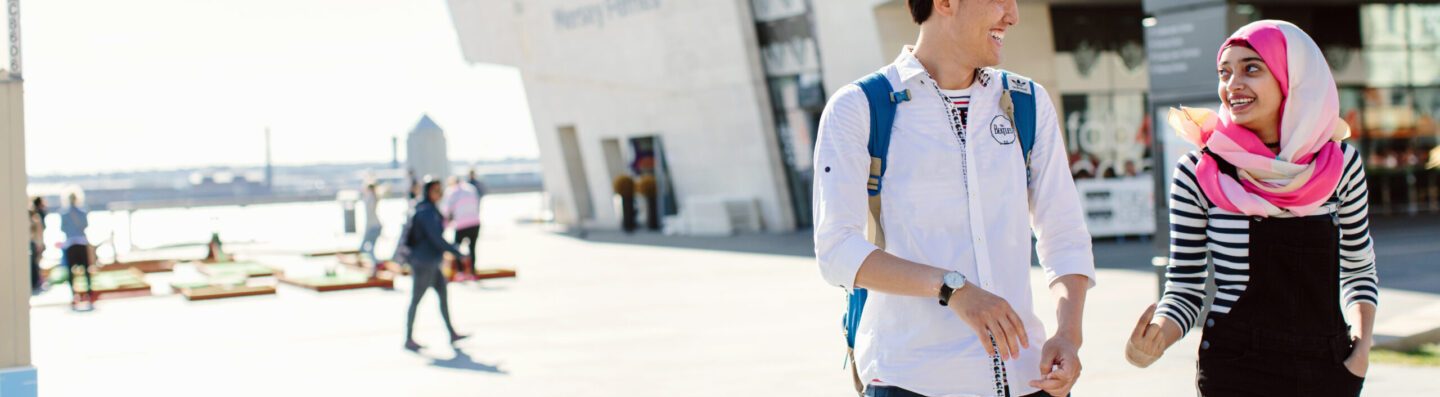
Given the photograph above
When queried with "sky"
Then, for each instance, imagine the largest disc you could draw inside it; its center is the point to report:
(164, 84)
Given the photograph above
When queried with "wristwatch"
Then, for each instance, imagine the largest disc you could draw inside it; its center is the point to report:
(954, 281)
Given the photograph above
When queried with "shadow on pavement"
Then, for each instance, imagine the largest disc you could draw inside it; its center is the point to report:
(463, 361)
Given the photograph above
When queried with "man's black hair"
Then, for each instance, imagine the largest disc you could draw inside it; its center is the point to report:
(920, 10)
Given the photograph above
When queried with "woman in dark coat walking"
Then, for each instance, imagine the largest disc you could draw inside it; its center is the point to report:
(427, 251)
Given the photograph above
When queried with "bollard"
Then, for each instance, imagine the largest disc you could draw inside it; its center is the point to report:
(347, 199)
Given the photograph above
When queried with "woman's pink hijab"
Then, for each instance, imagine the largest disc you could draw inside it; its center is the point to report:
(1308, 167)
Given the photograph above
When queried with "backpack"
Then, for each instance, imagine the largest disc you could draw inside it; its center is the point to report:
(883, 102)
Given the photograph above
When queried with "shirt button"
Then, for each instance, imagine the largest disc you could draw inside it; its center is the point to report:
(1209, 323)
(1205, 345)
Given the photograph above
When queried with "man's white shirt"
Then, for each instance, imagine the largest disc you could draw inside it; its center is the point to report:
(966, 213)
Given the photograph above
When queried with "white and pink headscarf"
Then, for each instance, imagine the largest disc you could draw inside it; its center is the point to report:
(1310, 162)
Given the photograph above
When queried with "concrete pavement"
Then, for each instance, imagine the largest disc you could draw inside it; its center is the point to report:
(592, 318)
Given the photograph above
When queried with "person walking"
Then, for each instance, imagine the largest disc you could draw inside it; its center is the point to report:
(1279, 203)
(78, 255)
(949, 309)
(461, 207)
(474, 181)
(37, 242)
(371, 199)
(427, 249)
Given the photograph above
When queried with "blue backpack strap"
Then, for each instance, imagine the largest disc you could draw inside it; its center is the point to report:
(1024, 118)
(883, 100)
(882, 116)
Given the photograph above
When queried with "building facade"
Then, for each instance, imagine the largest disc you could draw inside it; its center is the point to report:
(722, 98)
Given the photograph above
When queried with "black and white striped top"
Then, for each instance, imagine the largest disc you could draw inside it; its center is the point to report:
(1199, 230)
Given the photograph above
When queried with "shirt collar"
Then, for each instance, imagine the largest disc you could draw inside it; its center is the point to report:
(907, 66)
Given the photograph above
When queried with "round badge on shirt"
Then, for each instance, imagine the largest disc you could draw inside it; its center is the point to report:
(1002, 130)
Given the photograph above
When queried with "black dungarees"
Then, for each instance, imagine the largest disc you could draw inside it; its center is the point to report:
(1286, 335)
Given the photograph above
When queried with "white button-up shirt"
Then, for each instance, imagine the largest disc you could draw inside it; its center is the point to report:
(964, 212)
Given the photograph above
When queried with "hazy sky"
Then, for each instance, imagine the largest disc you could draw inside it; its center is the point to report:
(154, 84)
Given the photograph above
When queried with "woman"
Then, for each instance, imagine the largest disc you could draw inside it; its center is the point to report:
(1279, 203)
(427, 249)
(371, 198)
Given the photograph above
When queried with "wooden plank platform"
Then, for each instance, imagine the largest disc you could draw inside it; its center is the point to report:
(338, 282)
(331, 253)
(353, 261)
(117, 284)
(249, 269)
(222, 292)
(147, 266)
(484, 274)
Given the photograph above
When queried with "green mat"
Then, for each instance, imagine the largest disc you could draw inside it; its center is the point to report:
(107, 281)
(249, 269)
(211, 282)
(59, 275)
(338, 279)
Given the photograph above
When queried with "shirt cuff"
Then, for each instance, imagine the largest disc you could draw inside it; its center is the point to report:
(1082, 266)
(845, 260)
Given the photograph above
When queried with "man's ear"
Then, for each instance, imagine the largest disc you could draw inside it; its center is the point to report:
(945, 7)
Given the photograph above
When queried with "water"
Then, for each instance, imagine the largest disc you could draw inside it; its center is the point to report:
(306, 226)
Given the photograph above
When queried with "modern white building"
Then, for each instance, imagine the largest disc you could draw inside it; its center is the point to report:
(425, 150)
(720, 98)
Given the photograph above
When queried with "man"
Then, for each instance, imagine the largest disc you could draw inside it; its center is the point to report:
(462, 208)
(475, 182)
(955, 194)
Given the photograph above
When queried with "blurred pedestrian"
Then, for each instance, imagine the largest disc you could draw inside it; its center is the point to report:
(477, 184)
(461, 207)
(427, 250)
(37, 242)
(78, 254)
(371, 198)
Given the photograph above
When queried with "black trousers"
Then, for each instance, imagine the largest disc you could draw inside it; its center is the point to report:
(892, 391)
(79, 256)
(425, 277)
(34, 268)
(468, 237)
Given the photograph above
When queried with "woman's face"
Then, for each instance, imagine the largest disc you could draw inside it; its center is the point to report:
(1249, 90)
(435, 192)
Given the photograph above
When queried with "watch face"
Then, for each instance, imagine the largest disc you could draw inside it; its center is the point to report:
(954, 279)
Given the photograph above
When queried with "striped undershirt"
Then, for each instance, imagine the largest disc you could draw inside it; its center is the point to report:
(1198, 231)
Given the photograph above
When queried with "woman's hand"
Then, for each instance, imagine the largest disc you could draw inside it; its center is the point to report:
(1359, 361)
(1149, 339)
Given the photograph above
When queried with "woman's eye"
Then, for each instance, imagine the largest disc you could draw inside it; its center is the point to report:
(1252, 69)
(1224, 74)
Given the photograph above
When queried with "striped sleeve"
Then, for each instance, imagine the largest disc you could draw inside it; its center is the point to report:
(1185, 275)
(1358, 279)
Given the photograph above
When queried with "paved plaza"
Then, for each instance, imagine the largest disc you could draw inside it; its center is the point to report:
(585, 318)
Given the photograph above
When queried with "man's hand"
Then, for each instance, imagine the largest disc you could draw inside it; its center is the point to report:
(1359, 361)
(1059, 366)
(990, 316)
(1150, 339)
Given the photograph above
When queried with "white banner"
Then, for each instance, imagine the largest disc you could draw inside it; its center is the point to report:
(12, 56)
